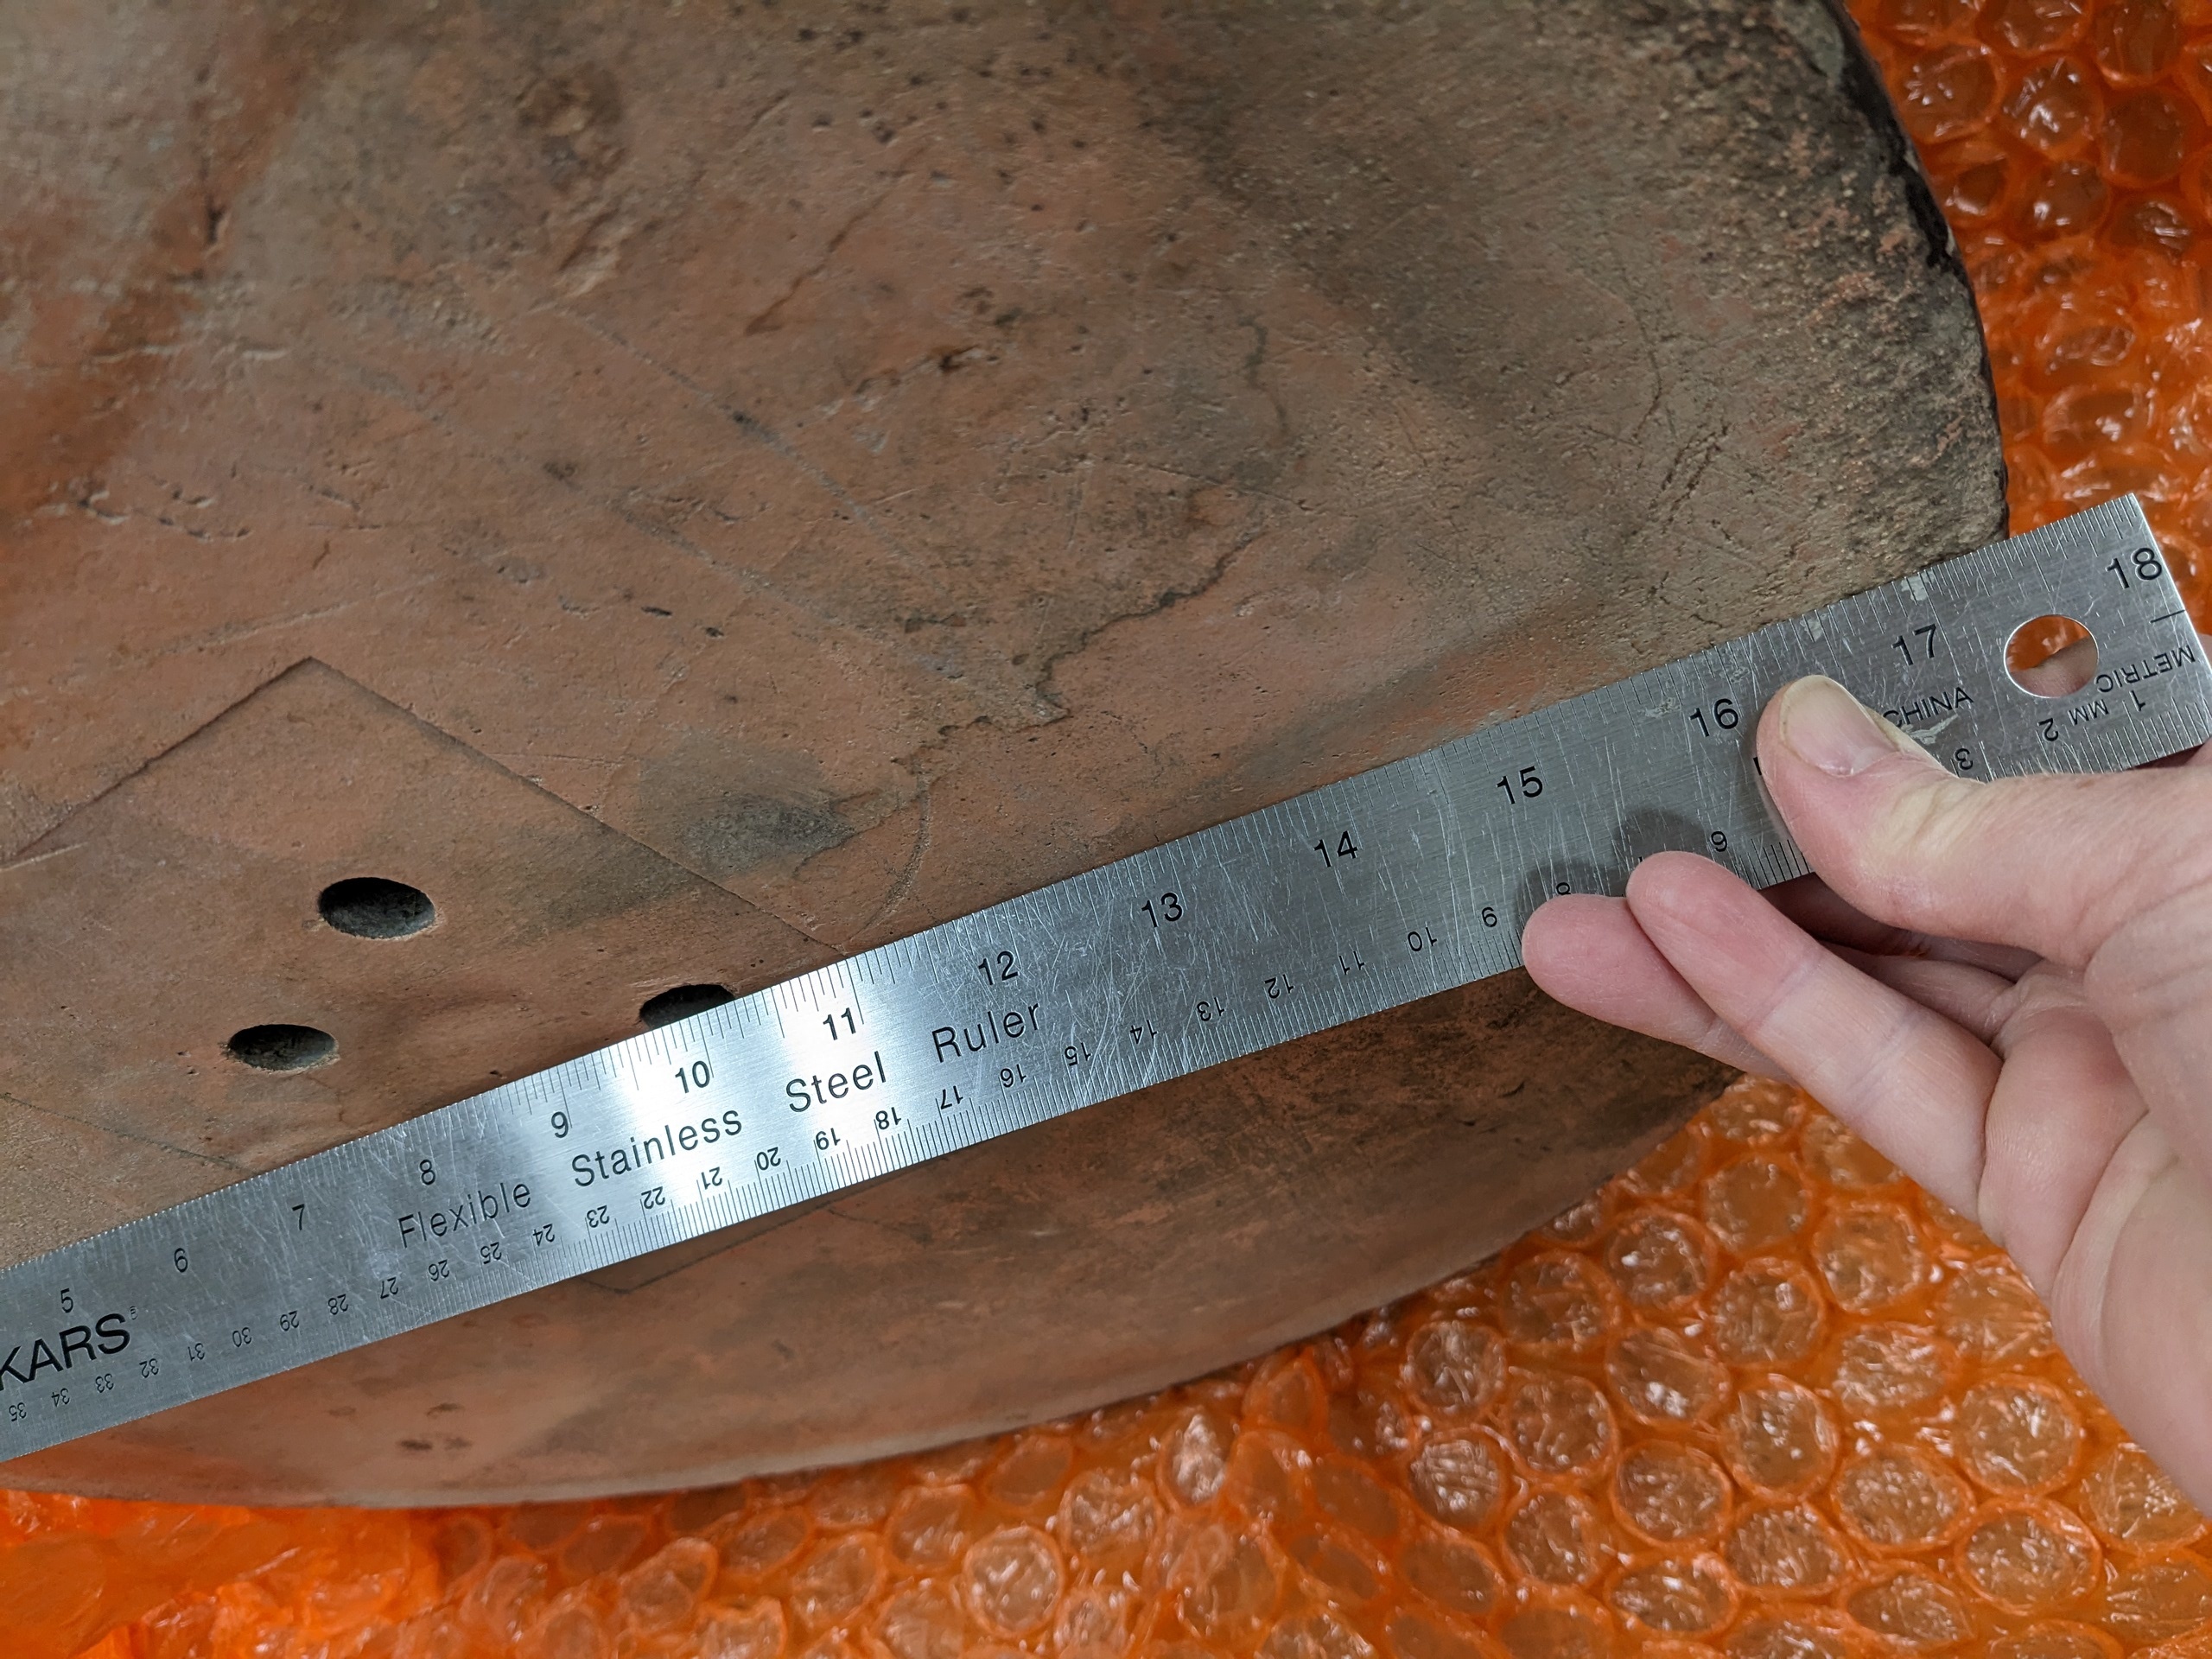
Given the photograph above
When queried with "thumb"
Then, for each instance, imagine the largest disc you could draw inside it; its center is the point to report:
(2057, 865)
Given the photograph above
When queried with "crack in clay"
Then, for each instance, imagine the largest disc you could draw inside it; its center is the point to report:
(122, 1135)
(753, 583)
(760, 324)
(227, 635)
(1166, 599)
(768, 439)
(39, 858)
(905, 884)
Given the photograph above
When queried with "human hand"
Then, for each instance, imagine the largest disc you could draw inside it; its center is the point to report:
(2006, 988)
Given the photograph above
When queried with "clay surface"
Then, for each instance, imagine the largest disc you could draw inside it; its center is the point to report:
(698, 493)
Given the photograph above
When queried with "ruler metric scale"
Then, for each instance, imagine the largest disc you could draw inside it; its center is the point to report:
(1354, 898)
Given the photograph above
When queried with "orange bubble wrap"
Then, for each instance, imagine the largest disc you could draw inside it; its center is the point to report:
(1759, 1398)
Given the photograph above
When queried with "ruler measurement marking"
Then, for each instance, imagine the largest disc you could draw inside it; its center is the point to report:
(1445, 855)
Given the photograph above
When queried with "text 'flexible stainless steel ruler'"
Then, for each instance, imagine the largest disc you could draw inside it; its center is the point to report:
(1403, 881)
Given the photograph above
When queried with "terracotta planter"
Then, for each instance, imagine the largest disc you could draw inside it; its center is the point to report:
(695, 493)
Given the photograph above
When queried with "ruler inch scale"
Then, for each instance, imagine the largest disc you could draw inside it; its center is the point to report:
(1359, 896)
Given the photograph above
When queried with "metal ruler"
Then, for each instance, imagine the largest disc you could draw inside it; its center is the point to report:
(1355, 898)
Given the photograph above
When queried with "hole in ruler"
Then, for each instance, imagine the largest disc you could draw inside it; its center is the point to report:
(369, 907)
(2051, 656)
(681, 1002)
(282, 1048)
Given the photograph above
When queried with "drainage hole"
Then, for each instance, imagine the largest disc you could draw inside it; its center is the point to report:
(681, 1002)
(282, 1048)
(2051, 656)
(369, 907)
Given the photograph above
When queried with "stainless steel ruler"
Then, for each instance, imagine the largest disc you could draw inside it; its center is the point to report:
(1349, 900)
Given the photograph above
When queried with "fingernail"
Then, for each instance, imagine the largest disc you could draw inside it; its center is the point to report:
(1826, 727)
